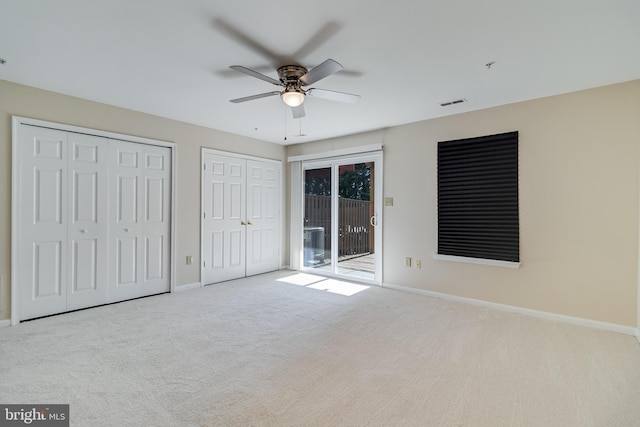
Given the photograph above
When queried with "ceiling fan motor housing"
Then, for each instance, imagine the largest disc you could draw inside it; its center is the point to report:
(290, 75)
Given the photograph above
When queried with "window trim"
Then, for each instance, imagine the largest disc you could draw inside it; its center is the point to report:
(480, 261)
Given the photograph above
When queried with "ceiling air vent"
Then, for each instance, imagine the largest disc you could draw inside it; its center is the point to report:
(457, 101)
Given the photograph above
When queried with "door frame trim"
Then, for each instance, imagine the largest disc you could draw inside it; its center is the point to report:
(16, 121)
(237, 155)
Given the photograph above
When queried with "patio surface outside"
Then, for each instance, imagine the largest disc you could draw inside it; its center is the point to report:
(357, 268)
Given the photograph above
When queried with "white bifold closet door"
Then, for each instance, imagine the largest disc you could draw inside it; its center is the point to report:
(240, 217)
(62, 250)
(75, 247)
(140, 227)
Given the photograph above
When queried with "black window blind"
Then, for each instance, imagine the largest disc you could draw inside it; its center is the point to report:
(478, 197)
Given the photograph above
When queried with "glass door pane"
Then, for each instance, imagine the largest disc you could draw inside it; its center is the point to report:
(317, 219)
(356, 216)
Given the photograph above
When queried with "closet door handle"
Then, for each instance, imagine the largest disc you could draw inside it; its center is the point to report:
(243, 223)
(82, 230)
(249, 223)
(126, 230)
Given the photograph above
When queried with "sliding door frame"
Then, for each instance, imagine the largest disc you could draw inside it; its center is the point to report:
(334, 163)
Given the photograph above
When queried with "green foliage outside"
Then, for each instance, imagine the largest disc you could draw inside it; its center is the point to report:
(353, 184)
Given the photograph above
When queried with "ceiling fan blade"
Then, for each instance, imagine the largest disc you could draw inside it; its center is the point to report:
(253, 44)
(252, 97)
(333, 95)
(255, 74)
(298, 112)
(327, 31)
(323, 70)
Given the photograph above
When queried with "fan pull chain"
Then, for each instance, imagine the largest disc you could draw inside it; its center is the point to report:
(285, 124)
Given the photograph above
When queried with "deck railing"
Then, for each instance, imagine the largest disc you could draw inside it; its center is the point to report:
(353, 220)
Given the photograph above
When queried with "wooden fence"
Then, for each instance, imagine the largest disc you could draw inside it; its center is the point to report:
(353, 220)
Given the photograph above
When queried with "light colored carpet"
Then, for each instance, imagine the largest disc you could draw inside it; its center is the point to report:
(263, 351)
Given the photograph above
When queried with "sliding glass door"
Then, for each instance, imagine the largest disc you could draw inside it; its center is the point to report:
(341, 225)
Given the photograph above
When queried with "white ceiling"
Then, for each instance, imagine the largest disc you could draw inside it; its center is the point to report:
(404, 57)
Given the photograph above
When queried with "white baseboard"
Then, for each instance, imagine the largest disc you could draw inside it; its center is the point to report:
(6, 322)
(613, 327)
(638, 335)
(188, 286)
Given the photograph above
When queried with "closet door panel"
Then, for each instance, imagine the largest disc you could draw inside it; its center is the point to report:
(42, 223)
(223, 218)
(140, 225)
(263, 215)
(125, 227)
(156, 171)
(213, 236)
(88, 223)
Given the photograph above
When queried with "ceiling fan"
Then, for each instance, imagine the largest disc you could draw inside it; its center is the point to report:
(294, 79)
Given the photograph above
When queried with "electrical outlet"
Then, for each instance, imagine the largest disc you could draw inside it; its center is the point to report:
(407, 261)
(388, 201)
(189, 259)
(418, 263)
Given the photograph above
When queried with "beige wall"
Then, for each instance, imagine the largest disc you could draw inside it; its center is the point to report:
(579, 185)
(579, 203)
(34, 103)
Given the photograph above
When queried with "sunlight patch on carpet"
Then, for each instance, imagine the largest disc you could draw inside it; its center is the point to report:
(320, 283)
(302, 279)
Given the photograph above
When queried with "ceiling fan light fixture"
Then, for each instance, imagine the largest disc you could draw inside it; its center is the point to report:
(293, 97)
